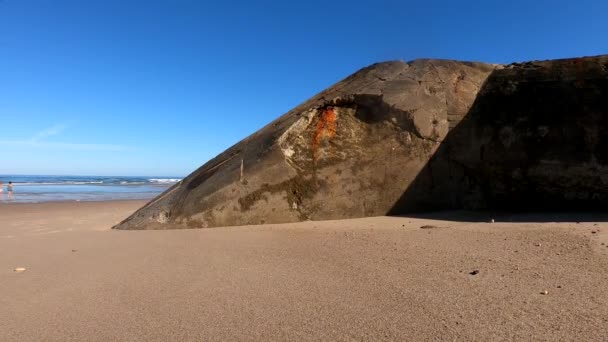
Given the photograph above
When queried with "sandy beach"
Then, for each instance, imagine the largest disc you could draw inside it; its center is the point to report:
(382, 278)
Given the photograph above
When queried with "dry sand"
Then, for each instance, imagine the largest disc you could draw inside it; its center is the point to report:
(380, 278)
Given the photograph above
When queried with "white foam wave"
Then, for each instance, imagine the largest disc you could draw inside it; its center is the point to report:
(55, 183)
(164, 180)
(152, 181)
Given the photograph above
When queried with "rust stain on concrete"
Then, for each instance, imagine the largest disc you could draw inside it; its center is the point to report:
(326, 127)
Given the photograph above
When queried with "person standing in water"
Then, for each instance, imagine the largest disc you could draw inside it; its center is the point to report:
(9, 190)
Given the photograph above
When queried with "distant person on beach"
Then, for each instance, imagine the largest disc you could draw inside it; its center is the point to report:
(9, 189)
(2, 189)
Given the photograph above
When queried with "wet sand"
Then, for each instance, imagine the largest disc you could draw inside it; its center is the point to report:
(382, 278)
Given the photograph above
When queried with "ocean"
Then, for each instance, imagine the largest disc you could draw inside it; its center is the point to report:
(33, 189)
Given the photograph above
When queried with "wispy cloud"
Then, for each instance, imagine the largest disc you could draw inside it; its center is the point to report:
(54, 130)
(38, 141)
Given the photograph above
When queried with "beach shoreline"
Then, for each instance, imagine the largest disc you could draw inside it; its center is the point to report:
(16, 203)
(375, 278)
(58, 188)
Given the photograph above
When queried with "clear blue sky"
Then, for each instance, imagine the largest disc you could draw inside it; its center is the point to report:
(120, 87)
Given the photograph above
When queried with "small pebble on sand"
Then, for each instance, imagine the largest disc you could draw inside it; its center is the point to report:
(544, 292)
(19, 269)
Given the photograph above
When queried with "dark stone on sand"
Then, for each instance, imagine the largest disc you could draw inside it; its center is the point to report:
(428, 226)
(396, 138)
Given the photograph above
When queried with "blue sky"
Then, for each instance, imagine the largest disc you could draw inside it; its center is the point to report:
(159, 87)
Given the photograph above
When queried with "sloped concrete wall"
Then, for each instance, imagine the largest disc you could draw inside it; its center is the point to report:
(400, 137)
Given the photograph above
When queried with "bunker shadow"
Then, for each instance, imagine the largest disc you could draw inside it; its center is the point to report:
(532, 147)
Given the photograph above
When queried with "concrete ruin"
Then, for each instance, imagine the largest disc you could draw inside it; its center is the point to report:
(396, 138)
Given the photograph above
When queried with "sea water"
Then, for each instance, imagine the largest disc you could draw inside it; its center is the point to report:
(32, 189)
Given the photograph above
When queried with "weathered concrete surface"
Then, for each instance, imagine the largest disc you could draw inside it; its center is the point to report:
(391, 139)
(536, 138)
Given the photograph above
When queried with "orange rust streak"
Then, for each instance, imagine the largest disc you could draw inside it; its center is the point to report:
(326, 126)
